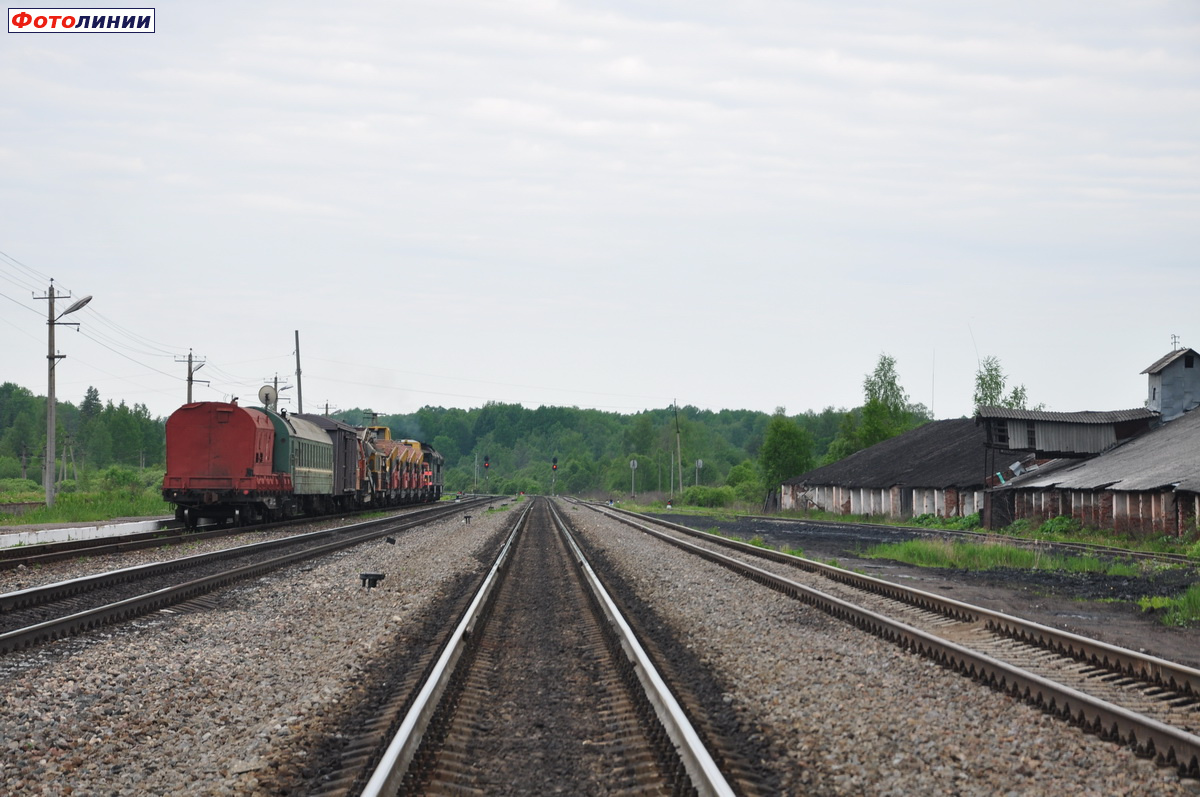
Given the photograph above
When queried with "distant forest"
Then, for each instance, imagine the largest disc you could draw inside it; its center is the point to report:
(743, 452)
(594, 448)
(91, 436)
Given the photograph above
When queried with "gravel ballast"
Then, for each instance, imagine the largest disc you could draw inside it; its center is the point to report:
(227, 700)
(846, 713)
(235, 699)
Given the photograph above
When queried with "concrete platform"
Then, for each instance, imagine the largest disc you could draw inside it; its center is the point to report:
(13, 535)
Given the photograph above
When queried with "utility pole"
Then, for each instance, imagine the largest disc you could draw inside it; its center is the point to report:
(299, 388)
(52, 358)
(678, 449)
(275, 385)
(191, 371)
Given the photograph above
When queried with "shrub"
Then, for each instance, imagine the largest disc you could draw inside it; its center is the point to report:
(152, 479)
(18, 487)
(117, 478)
(1193, 551)
(749, 492)
(964, 523)
(1182, 610)
(1060, 526)
(708, 496)
(1018, 527)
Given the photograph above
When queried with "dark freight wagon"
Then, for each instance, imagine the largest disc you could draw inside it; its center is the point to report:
(249, 464)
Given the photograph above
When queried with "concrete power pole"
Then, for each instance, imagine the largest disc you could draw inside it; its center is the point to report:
(48, 467)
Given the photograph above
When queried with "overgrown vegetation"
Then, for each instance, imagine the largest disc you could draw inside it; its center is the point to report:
(964, 523)
(1181, 610)
(110, 493)
(1057, 529)
(993, 556)
(1065, 529)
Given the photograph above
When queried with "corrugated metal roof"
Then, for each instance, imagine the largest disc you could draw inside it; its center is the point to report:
(1163, 457)
(1163, 362)
(1087, 416)
(939, 454)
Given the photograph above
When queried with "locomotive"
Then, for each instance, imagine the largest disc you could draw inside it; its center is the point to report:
(245, 465)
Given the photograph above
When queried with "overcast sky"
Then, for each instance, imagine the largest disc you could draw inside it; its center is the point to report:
(736, 205)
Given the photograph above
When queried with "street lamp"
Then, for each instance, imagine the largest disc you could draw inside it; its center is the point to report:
(52, 321)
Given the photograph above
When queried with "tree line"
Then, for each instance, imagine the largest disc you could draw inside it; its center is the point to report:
(727, 455)
(90, 436)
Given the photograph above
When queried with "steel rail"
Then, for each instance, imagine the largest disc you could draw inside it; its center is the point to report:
(35, 596)
(44, 553)
(1021, 542)
(159, 599)
(705, 774)
(393, 765)
(1144, 667)
(1148, 737)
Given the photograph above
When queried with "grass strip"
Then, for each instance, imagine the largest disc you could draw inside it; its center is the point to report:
(1181, 610)
(988, 556)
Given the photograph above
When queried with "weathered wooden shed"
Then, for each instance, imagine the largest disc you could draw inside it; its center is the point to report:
(1174, 384)
(1149, 484)
(941, 468)
(1051, 435)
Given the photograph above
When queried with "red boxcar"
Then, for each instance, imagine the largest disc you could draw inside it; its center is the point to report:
(219, 463)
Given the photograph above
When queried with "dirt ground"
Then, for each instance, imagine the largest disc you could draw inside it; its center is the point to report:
(1100, 607)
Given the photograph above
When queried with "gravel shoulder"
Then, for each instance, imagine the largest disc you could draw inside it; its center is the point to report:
(1101, 607)
(231, 698)
(245, 694)
(845, 713)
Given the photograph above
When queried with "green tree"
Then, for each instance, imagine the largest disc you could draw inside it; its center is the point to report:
(990, 381)
(883, 386)
(743, 479)
(885, 413)
(22, 425)
(879, 423)
(786, 451)
(639, 436)
(91, 406)
(98, 445)
(847, 440)
(448, 448)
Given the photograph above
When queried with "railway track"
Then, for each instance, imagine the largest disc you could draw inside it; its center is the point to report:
(1149, 704)
(170, 532)
(541, 687)
(1079, 548)
(39, 614)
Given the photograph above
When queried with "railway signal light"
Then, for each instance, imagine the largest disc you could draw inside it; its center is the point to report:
(486, 464)
(554, 463)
